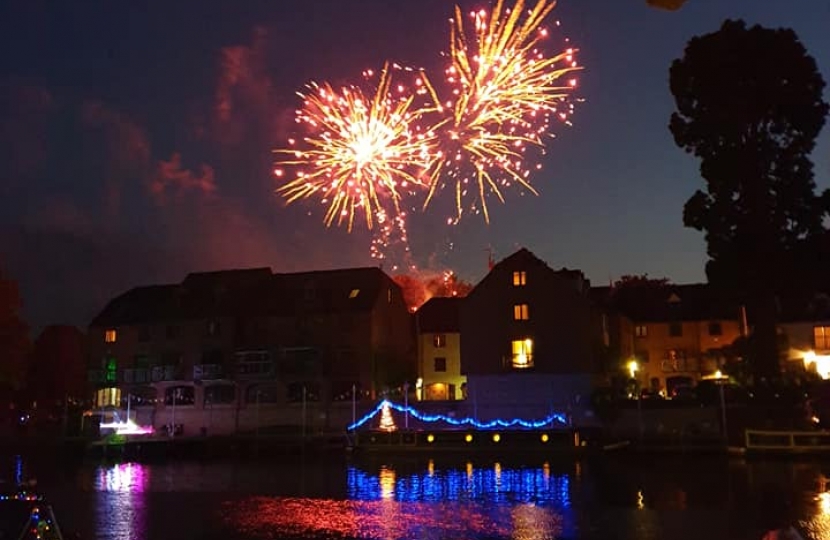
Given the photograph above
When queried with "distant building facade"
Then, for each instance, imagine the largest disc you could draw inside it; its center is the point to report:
(439, 350)
(223, 351)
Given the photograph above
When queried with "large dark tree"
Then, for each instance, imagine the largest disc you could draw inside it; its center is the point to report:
(57, 366)
(749, 105)
(14, 337)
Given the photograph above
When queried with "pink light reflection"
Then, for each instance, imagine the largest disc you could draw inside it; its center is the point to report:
(124, 478)
(385, 519)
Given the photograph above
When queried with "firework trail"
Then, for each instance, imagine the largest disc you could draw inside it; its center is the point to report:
(504, 92)
(362, 152)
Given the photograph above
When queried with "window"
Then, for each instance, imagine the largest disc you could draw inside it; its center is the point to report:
(641, 330)
(354, 293)
(522, 350)
(439, 341)
(262, 393)
(440, 364)
(675, 360)
(111, 370)
(821, 335)
(219, 393)
(388, 296)
(172, 331)
(213, 328)
(675, 329)
(144, 334)
(715, 329)
(519, 279)
(179, 395)
(110, 335)
(521, 312)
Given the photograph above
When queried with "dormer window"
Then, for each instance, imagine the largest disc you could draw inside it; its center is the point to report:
(519, 278)
(354, 293)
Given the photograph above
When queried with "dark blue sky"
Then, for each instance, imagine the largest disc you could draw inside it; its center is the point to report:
(136, 140)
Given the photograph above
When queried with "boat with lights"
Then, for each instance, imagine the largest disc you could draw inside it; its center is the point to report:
(380, 431)
(26, 515)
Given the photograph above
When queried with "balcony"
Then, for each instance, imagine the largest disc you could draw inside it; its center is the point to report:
(136, 376)
(206, 372)
(255, 370)
(163, 373)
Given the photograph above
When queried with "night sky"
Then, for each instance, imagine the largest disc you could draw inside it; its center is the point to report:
(136, 138)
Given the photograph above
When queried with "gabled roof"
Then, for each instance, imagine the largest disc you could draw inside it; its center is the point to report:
(249, 292)
(440, 315)
(524, 259)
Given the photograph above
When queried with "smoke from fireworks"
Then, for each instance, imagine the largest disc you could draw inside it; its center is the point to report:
(365, 152)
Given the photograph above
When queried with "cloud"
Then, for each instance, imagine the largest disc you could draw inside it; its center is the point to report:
(26, 110)
(171, 178)
(125, 156)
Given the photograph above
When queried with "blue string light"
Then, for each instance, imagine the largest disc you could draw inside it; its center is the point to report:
(460, 422)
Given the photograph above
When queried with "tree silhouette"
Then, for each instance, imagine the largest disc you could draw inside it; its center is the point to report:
(14, 337)
(749, 105)
(57, 366)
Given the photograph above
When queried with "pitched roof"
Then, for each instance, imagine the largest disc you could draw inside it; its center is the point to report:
(249, 292)
(440, 315)
(690, 302)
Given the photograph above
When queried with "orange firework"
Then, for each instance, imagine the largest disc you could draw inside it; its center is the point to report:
(361, 152)
(505, 91)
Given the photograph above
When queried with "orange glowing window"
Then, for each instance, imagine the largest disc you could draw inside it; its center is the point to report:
(519, 278)
(354, 293)
(521, 312)
(821, 336)
(110, 335)
(522, 357)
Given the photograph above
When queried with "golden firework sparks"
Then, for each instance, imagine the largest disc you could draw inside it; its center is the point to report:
(362, 151)
(505, 92)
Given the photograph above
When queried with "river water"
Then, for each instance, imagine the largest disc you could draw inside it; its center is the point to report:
(679, 497)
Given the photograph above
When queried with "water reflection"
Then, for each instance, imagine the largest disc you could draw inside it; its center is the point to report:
(385, 503)
(121, 508)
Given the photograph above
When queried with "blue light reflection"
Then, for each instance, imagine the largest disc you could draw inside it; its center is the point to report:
(511, 498)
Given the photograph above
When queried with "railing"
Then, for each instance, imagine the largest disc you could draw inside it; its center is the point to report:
(202, 372)
(163, 373)
(788, 441)
(136, 375)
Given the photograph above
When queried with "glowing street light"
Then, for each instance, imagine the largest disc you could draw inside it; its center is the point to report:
(633, 368)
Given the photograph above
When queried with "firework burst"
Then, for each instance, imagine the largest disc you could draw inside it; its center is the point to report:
(505, 91)
(362, 153)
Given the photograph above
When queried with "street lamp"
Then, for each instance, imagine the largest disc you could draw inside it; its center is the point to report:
(633, 368)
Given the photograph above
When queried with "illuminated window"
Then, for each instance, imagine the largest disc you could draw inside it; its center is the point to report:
(440, 364)
(641, 330)
(110, 335)
(354, 293)
(821, 335)
(439, 341)
(519, 279)
(111, 370)
(521, 312)
(522, 350)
